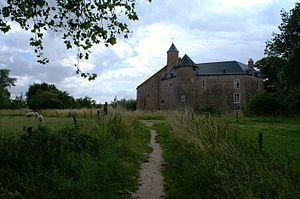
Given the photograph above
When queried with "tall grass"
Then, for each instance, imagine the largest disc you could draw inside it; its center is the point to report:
(97, 158)
(205, 158)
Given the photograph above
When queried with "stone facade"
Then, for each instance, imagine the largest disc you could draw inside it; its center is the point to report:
(224, 86)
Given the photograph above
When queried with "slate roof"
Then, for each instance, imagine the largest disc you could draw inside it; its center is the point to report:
(172, 48)
(186, 61)
(213, 68)
(222, 68)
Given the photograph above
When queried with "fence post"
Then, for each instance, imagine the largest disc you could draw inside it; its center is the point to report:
(98, 114)
(84, 114)
(57, 114)
(105, 108)
(74, 119)
(29, 131)
(237, 116)
(260, 141)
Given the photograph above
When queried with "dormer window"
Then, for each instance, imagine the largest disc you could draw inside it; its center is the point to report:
(236, 83)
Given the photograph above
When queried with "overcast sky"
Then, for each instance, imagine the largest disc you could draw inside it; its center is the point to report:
(206, 30)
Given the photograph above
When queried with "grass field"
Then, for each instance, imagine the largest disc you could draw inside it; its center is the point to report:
(196, 167)
(204, 157)
(98, 157)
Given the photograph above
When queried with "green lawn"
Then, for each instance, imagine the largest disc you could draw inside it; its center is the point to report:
(282, 135)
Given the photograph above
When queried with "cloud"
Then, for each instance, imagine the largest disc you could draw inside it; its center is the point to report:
(206, 30)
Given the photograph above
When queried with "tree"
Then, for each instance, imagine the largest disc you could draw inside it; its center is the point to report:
(286, 44)
(269, 67)
(281, 68)
(128, 104)
(5, 83)
(43, 96)
(17, 103)
(81, 23)
(262, 103)
(86, 102)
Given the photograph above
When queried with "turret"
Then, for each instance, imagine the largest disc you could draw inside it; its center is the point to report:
(172, 58)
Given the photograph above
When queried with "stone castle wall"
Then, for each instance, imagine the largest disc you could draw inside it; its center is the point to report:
(197, 92)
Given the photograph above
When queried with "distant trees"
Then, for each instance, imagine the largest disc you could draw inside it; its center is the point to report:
(281, 68)
(47, 96)
(129, 104)
(17, 103)
(5, 83)
(42, 96)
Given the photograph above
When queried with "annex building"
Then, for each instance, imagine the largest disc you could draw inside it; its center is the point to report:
(224, 86)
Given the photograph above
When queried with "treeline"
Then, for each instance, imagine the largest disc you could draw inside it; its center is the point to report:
(280, 70)
(47, 96)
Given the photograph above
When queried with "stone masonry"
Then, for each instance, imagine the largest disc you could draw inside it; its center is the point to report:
(225, 86)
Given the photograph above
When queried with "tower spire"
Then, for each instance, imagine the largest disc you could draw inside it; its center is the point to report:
(173, 48)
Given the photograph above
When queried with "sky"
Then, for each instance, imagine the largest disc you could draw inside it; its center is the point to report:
(206, 30)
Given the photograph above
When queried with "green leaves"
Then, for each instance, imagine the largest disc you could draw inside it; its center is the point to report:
(82, 23)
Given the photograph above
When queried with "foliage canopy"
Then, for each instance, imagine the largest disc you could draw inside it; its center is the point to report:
(81, 23)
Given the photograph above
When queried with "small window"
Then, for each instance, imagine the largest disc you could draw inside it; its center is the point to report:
(182, 98)
(148, 95)
(204, 83)
(170, 83)
(236, 83)
(237, 107)
(236, 98)
(250, 72)
(162, 101)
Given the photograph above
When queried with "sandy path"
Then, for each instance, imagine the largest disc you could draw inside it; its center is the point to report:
(151, 179)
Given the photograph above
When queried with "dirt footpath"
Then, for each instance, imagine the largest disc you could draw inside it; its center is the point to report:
(151, 179)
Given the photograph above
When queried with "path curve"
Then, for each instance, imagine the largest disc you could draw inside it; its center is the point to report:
(151, 179)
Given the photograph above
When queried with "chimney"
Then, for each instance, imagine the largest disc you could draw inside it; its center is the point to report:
(251, 67)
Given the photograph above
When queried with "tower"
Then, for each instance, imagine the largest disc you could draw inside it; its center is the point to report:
(172, 57)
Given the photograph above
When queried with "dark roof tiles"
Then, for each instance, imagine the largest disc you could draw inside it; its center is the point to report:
(173, 48)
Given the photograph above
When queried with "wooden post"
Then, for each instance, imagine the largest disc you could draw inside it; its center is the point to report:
(98, 114)
(29, 131)
(91, 112)
(260, 141)
(74, 119)
(237, 116)
(20, 113)
(105, 108)
(84, 114)
(56, 114)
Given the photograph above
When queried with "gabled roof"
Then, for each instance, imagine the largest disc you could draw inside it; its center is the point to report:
(222, 68)
(186, 62)
(172, 48)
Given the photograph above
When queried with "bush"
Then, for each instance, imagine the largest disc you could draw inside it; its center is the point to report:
(262, 104)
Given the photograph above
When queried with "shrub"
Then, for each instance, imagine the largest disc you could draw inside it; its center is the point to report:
(262, 103)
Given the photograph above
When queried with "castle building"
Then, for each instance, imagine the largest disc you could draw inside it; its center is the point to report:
(225, 86)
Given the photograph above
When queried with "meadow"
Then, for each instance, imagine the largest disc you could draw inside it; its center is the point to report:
(99, 156)
(94, 158)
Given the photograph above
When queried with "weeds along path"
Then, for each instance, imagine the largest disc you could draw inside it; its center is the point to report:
(151, 179)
